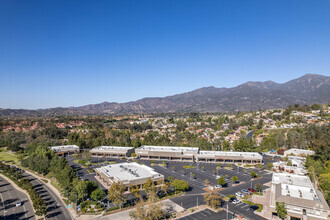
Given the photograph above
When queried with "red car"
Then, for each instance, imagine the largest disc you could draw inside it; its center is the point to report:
(251, 190)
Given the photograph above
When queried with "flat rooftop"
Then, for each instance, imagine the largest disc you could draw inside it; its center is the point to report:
(168, 148)
(111, 148)
(295, 186)
(230, 153)
(64, 147)
(299, 151)
(128, 171)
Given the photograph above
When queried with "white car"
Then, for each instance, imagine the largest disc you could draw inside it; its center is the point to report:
(239, 194)
(236, 201)
(217, 177)
(18, 204)
(217, 187)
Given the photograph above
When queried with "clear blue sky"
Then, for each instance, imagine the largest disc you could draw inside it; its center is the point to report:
(71, 53)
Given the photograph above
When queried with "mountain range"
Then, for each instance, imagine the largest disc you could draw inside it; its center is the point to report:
(306, 90)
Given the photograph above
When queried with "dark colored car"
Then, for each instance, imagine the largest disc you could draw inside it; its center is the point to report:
(232, 199)
(253, 207)
(251, 190)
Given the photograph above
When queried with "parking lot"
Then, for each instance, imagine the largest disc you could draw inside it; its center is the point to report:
(205, 214)
(201, 172)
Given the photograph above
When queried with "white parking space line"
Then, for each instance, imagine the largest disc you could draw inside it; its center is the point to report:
(208, 211)
(202, 213)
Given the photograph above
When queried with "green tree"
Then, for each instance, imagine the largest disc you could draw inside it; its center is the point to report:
(164, 186)
(170, 178)
(260, 124)
(221, 181)
(148, 212)
(116, 193)
(212, 199)
(234, 179)
(258, 187)
(180, 185)
(98, 194)
(253, 174)
(148, 185)
(81, 189)
(281, 210)
(206, 182)
(135, 191)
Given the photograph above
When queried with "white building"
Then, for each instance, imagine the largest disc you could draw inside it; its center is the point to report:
(301, 199)
(167, 153)
(112, 151)
(298, 152)
(229, 156)
(129, 174)
(65, 149)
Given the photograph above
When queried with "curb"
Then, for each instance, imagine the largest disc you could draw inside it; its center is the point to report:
(23, 191)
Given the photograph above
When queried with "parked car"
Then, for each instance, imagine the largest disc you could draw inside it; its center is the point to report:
(252, 190)
(253, 207)
(217, 177)
(239, 194)
(236, 201)
(245, 191)
(18, 204)
(232, 199)
(217, 187)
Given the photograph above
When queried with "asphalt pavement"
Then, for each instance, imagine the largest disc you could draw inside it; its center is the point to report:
(9, 197)
(55, 208)
(201, 171)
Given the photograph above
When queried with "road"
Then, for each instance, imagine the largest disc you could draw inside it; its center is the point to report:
(52, 201)
(9, 197)
(250, 134)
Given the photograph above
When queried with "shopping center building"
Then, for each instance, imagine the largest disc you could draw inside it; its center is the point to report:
(228, 157)
(65, 150)
(112, 151)
(129, 174)
(167, 153)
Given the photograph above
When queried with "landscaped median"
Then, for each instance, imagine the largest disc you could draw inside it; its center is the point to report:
(188, 167)
(252, 203)
(127, 207)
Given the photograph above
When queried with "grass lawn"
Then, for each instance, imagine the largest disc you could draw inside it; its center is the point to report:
(55, 184)
(188, 167)
(9, 158)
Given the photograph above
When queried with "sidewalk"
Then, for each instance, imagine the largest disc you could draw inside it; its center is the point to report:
(264, 200)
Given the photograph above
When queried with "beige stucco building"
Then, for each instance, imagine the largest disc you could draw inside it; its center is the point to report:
(129, 174)
(301, 199)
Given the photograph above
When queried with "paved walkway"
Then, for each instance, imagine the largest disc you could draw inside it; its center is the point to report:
(264, 200)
